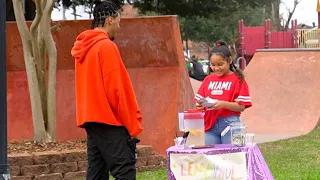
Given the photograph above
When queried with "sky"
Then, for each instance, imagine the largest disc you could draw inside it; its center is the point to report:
(305, 12)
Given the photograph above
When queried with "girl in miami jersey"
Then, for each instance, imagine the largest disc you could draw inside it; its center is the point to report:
(228, 86)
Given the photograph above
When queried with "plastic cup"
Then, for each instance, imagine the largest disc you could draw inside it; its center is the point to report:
(180, 143)
(250, 138)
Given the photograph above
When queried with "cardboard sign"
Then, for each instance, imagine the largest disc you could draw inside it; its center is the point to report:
(208, 167)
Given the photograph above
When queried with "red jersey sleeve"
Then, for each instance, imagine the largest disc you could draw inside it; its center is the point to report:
(201, 91)
(242, 95)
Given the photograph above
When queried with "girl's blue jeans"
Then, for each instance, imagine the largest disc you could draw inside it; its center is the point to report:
(213, 136)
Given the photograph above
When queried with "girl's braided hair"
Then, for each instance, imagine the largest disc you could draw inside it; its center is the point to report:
(102, 10)
(222, 49)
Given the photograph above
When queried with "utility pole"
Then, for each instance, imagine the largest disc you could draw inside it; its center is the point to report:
(4, 167)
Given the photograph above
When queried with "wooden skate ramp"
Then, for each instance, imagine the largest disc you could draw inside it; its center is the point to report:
(153, 54)
(195, 85)
(284, 86)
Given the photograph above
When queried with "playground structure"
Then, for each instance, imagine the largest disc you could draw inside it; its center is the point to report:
(263, 37)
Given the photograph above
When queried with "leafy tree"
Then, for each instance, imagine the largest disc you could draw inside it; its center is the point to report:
(30, 7)
(209, 20)
(224, 26)
(70, 3)
(191, 8)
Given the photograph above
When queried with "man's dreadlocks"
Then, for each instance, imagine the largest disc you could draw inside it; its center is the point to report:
(102, 10)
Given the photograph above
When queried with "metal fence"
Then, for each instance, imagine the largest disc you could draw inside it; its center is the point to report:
(308, 38)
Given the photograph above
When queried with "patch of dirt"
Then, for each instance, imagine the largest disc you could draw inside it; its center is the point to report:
(31, 147)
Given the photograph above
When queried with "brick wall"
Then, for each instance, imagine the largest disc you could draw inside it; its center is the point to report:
(69, 164)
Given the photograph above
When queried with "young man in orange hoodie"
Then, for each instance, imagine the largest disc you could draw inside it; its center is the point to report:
(106, 105)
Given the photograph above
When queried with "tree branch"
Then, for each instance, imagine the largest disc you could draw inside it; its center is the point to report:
(37, 19)
(22, 25)
(288, 9)
(290, 13)
(43, 4)
(56, 27)
(39, 56)
(296, 2)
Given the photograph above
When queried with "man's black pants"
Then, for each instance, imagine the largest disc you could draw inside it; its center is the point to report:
(109, 150)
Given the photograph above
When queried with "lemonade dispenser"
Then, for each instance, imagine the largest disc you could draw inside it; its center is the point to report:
(193, 121)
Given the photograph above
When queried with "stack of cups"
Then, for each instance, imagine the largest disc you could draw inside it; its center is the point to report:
(180, 142)
(250, 138)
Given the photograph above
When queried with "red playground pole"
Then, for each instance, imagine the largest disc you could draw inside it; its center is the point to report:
(318, 19)
(318, 10)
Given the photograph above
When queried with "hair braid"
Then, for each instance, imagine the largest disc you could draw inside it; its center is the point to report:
(102, 10)
(237, 71)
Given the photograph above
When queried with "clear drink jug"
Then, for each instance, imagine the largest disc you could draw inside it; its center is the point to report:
(192, 121)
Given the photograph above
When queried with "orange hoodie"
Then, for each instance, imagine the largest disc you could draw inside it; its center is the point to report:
(104, 93)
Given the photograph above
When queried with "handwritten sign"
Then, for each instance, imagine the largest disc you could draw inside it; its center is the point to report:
(207, 167)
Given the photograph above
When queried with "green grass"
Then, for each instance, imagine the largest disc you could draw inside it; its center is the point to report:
(295, 158)
(149, 175)
(156, 175)
(291, 159)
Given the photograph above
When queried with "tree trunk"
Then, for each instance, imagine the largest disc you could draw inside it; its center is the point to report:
(91, 11)
(52, 54)
(39, 56)
(277, 14)
(74, 12)
(158, 6)
(187, 44)
(64, 17)
(40, 134)
(36, 43)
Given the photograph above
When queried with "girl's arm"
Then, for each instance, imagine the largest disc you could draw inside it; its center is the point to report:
(234, 106)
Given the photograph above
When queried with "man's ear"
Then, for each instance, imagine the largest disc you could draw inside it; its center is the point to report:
(108, 20)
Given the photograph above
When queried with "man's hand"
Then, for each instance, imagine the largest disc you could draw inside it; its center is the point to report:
(135, 140)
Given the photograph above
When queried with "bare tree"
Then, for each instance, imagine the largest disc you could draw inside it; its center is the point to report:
(290, 13)
(64, 9)
(37, 44)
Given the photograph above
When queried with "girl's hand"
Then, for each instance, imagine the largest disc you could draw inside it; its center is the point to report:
(218, 105)
(199, 106)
